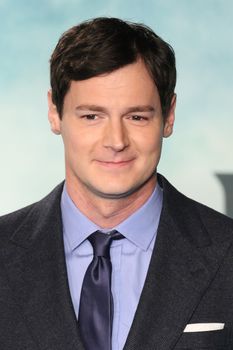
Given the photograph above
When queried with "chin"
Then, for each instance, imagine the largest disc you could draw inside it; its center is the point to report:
(116, 193)
(113, 190)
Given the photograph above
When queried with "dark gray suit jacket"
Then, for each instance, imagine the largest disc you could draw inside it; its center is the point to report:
(190, 280)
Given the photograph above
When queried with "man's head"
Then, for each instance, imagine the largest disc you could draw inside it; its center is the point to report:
(103, 45)
(113, 101)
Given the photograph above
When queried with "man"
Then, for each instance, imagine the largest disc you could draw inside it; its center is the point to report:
(112, 100)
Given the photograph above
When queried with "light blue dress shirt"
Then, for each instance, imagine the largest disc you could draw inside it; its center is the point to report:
(130, 257)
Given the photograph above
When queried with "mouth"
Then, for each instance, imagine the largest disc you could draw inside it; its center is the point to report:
(115, 164)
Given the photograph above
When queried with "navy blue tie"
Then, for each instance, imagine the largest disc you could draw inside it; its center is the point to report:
(96, 303)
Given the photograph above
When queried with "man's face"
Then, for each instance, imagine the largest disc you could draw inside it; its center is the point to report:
(112, 128)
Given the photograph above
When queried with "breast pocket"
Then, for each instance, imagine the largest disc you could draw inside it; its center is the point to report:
(212, 340)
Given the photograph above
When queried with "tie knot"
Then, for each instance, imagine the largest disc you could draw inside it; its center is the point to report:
(101, 242)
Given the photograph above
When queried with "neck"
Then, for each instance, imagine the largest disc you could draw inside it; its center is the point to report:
(107, 212)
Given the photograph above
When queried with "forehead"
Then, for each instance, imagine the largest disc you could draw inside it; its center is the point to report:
(129, 84)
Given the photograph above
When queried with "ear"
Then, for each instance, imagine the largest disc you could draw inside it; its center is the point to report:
(170, 119)
(53, 116)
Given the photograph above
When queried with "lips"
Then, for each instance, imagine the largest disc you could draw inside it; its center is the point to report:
(115, 164)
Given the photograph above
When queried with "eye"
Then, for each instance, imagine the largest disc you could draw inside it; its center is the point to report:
(90, 117)
(138, 118)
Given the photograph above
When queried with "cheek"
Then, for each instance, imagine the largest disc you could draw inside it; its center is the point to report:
(151, 143)
(71, 143)
(78, 144)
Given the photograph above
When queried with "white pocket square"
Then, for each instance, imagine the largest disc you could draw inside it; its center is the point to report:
(203, 327)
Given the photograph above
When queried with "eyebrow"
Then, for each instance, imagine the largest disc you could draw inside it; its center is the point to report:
(96, 108)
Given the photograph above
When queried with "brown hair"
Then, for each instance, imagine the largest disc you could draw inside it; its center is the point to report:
(102, 45)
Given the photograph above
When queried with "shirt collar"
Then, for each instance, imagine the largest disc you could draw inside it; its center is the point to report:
(139, 228)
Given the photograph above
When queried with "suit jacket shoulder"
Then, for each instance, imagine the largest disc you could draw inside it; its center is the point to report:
(189, 214)
(31, 215)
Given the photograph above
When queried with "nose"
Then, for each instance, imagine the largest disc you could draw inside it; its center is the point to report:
(116, 135)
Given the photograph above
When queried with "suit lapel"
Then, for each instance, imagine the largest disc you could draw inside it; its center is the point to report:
(182, 266)
(36, 268)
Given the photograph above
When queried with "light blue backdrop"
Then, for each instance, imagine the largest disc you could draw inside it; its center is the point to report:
(201, 33)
